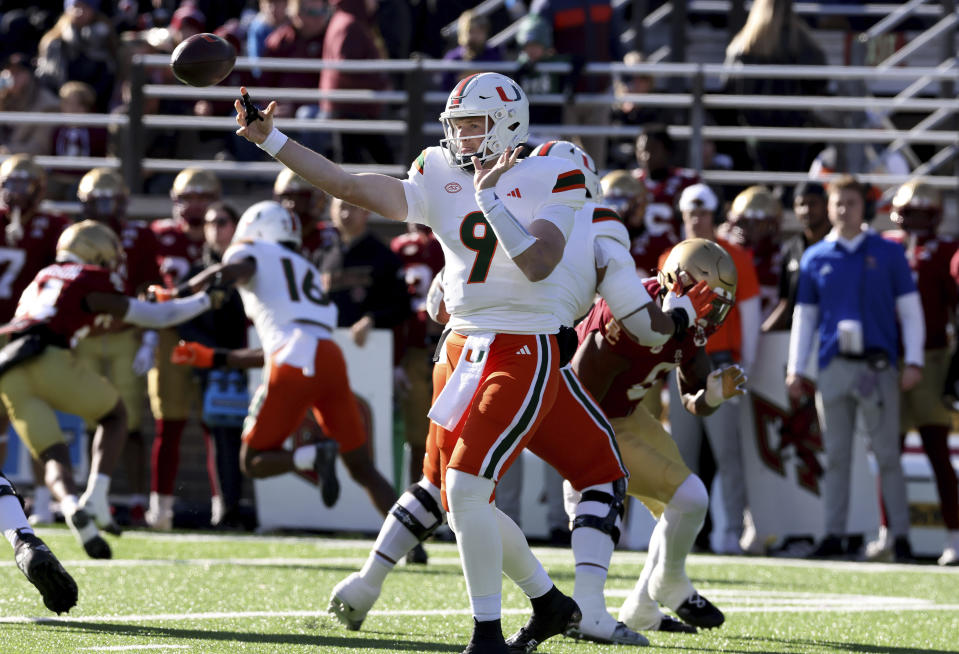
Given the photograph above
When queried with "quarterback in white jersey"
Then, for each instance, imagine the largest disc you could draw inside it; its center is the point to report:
(304, 367)
(503, 227)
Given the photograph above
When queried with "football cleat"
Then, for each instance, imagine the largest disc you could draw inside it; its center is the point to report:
(597, 631)
(43, 570)
(325, 467)
(950, 556)
(81, 524)
(700, 612)
(487, 638)
(670, 624)
(560, 616)
(417, 555)
(352, 599)
(100, 513)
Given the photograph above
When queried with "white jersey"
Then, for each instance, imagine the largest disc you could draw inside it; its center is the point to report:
(283, 296)
(573, 282)
(485, 291)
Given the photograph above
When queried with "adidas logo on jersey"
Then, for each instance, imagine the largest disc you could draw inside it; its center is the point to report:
(523, 350)
(515, 194)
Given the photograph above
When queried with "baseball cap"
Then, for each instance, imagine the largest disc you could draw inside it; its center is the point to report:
(698, 196)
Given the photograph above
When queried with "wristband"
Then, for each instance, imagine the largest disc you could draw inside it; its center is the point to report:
(509, 232)
(273, 142)
(219, 358)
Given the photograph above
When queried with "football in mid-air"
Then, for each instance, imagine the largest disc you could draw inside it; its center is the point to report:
(203, 60)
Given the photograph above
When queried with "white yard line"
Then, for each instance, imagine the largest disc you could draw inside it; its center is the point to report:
(130, 648)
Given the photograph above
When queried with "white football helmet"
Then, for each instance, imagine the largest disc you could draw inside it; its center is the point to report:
(268, 221)
(572, 152)
(503, 104)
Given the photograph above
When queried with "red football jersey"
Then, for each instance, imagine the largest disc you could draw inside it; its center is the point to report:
(648, 364)
(56, 297)
(21, 259)
(321, 238)
(768, 262)
(422, 257)
(176, 252)
(141, 261)
(930, 263)
(661, 220)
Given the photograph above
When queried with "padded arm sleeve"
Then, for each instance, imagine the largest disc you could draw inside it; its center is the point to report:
(909, 311)
(805, 319)
(624, 292)
(166, 314)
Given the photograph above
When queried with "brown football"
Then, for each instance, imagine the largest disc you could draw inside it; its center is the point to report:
(203, 60)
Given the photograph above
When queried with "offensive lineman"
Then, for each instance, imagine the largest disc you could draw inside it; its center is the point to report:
(503, 355)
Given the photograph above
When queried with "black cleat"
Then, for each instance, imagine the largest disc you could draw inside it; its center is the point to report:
(902, 550)
(670, 624)
(830, 547)
(700, 612)
(81, 524)
(487, 639)
(325, 467)
(43, 570)
(417, 555)
(553, 613)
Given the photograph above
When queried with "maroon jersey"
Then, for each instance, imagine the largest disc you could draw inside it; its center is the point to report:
(21, 259)
(768, 263)
(56, 298)
(930, 259)
(141, 259)
(662, 224)
(422, 257)
(320, 239)
(176, 252)
(648, 364)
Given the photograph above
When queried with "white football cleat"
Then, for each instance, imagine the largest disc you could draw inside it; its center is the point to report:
(351, 600)
(880, 550)
(601, 627)
(950, 554)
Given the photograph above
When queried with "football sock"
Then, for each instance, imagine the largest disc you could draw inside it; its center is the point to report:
(395, 540)
(681, 521)
(304, 457)
(69, 505)
(12, 517)
(98, 488)
(165, 456)
(592, 551)
(640, 611)
(473, 520)
(41, 502)
(519, 564)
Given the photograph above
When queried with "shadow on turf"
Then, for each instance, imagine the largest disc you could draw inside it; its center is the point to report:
(318, 639)
(838, 647)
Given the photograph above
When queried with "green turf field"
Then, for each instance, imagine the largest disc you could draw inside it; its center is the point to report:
(196, 593)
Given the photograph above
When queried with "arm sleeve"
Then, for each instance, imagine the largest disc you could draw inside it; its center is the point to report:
(165, 314)
(805, 318)
(625, 293)
(749, 321)
(909, 312)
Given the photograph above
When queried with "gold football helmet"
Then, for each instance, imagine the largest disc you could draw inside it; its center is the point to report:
(22, 182)
(627, 195)
(194, 190)
(756, 202)
(697, 259)
(757, 215)
(917, 207)
(300, 197)
(91, 243)
(103, 194)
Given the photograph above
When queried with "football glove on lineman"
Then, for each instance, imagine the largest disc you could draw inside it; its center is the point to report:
(190, 353)
(724, 384)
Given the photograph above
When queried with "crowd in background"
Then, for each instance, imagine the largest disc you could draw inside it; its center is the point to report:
(71, 58)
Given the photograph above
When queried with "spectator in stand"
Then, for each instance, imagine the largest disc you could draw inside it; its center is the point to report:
(187, 21)
(857, 292)
(362, 276)
(81, 46)
(272, 14)
(809, 205)
(395, 21)
(733, 343)
(535, 39)
(224, 327)
(754, 222)
(631, 112)
(20, 91)
(655, 152)
(917, 210)
(472, 31)
(300, 37)
(774, 34)
(351, 35)
(18, 33)
(587, 31)
(422, 258)
(71, 140)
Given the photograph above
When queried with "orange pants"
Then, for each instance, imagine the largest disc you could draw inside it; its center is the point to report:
(281, 402)
(517, 390)
(432, 466)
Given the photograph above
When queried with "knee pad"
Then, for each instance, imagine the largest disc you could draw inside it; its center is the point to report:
(406, 514)
(691, 497)
(7, 488)
(609, 519)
